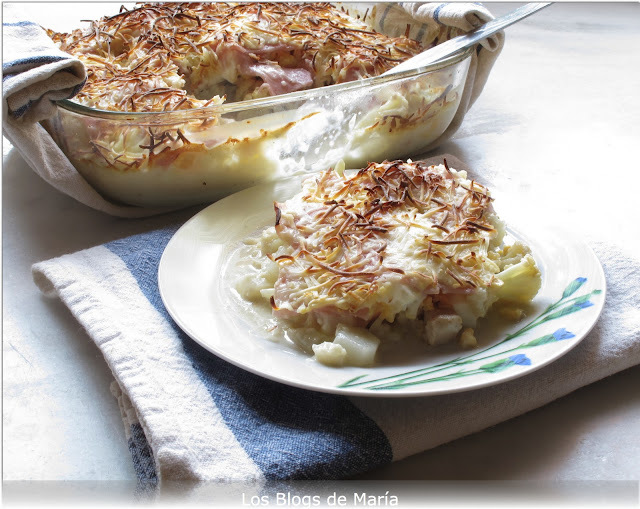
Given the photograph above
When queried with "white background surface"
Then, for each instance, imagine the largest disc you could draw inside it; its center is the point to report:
(563, 90)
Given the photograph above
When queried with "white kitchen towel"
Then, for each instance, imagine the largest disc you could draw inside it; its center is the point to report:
(190, 415)
(36, 74)
(28, 90)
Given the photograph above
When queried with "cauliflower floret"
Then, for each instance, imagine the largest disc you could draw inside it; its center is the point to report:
(520, 282)
(330, 354)
(472, 306)
(467, 339)
(352, 346)
(513, 254)
(510, 311)
(269, 241)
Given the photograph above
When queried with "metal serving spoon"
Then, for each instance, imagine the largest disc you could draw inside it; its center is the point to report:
(456, 44)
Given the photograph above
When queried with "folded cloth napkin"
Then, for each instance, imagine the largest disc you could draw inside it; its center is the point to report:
(36, 74)
(190, 415)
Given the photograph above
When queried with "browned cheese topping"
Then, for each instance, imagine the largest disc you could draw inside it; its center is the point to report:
(393, 232)
(179, 56)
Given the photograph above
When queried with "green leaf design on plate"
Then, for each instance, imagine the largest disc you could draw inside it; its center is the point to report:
(574, 286)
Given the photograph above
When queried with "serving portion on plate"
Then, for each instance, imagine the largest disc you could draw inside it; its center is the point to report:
(396, 296)
(186, 103)
(396, 249)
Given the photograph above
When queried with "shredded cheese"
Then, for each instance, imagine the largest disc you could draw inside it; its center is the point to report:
(366, 247)
(177, 56)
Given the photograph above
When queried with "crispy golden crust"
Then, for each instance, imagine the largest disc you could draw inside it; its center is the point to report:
(175, 56)
(403, 224)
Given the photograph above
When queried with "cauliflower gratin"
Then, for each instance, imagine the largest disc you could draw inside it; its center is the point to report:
(394, 249)
(175, 109)
(180, 56)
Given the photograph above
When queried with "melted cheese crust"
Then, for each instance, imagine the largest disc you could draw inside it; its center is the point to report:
(368, 247)
(177, 56)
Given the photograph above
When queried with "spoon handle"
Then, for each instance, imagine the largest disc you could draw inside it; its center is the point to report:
(451, 46)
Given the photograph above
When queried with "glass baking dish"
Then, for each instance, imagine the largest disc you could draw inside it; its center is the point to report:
(188, 157)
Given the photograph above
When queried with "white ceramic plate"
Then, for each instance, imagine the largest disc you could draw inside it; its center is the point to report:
(196, 294)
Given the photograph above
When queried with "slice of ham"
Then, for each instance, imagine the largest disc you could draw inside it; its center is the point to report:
(281, 80)
(236, 60)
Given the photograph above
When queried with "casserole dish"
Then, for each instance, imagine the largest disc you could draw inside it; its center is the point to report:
(181, 157)
(198, 156)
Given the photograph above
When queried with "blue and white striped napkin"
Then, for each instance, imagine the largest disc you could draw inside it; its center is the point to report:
(190, 415)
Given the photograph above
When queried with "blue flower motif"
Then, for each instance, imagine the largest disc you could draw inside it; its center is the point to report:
(520, 360)
(559, 335)
(562, 334)
(582, 305)
(502, 364)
